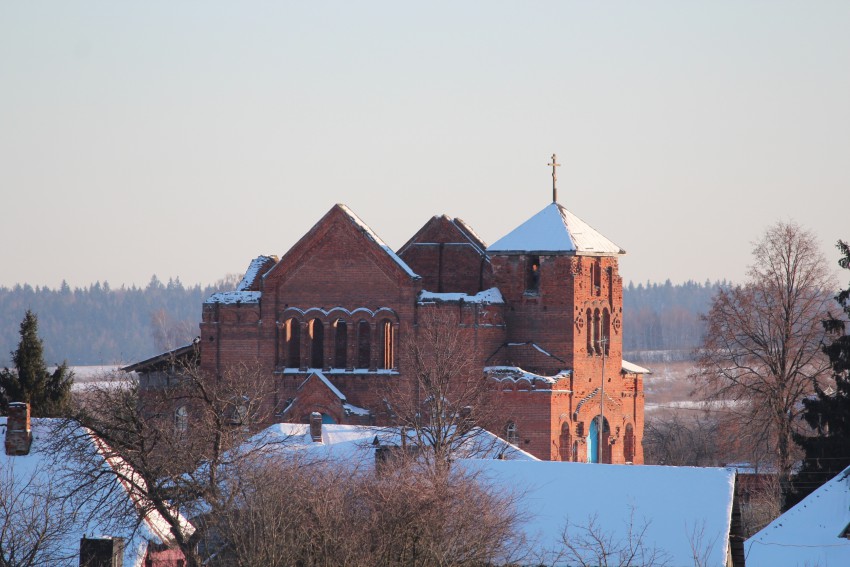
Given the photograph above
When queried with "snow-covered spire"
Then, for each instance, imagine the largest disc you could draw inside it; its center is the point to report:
(555, 230)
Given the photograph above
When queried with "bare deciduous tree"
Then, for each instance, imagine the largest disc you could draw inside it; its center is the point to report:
(292, 512)
(447, 403)
(35, 521)
(677, 441)
(762, 346)
(176, 439)
(591, 545)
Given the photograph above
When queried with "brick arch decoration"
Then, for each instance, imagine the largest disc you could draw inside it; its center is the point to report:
(354, 343)
(330, 315)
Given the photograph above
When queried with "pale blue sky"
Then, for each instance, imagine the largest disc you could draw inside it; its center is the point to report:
(183, 139)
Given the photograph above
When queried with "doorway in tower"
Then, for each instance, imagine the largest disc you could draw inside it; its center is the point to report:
(595, 452)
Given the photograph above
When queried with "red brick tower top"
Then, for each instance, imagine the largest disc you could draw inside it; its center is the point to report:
(560, 281)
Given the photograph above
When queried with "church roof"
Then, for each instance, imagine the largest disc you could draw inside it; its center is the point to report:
(377, 240)
(555, 230)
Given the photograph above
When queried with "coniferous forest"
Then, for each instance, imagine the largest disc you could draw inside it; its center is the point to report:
(99, 324)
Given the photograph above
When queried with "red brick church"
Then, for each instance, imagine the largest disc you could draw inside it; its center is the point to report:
(541, 307)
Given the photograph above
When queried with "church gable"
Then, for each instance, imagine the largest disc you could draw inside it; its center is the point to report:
(339, 254)
(448, 255)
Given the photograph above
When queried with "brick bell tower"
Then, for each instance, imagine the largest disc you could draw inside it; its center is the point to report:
(563, 312)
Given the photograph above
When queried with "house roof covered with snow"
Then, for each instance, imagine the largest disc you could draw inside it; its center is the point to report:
(555, 230)
(810, 533)
(676, 506)
(355, 444)
(42, 472)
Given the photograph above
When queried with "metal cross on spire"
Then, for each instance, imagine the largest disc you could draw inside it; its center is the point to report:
(553, 165)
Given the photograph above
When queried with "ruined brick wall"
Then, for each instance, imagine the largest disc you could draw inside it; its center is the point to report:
(447, 258)
(337, 273)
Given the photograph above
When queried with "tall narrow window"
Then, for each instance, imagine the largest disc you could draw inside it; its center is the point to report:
(181, 421)
(340, 343)
(566, 448)
(292, 330)
(629, 444)
(597, 277)
(532, 274)
(589, 332)
(364, 344)
(511, 433)
(387, 344)
(606, 330)
(317, 344)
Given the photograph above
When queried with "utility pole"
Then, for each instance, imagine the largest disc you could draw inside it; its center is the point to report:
(603, 343)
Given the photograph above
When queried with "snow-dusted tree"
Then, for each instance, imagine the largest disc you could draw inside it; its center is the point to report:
(48, 393)
(762, 348)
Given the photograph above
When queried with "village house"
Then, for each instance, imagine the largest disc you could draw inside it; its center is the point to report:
(52, 515)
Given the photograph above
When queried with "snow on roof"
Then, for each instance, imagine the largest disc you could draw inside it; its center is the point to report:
(377, 239)
(253, 272)
(318, 374)
(809, 533)
(675, 504)
(233, 297)
(46, 470)
(468, 231)
(354, 444)
(555, 230)
(486, 297)
(515, 374)
(634, 368)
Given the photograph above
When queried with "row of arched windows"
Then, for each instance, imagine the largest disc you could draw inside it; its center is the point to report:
(598, 331)
(352, 346)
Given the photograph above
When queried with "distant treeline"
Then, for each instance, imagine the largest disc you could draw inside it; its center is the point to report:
(101, 325)
(665, 316)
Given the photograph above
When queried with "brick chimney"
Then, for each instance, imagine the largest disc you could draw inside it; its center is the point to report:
(18, 430)
(316, 426)
(102, 552)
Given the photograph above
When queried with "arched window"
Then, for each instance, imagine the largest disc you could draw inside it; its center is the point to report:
(317, 344)
(181, 421)
(364, 344)
(240, 415)
(532, 274)
(597, 278)
(566, 447)
(589, 332)
(292, 339)
(511, 433)
(606, 330)
(387, 344)
(596, 452)
(340, 344)
(629, 444)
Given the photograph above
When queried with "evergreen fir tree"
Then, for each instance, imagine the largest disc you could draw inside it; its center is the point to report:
(47, 393)
(828, 414)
